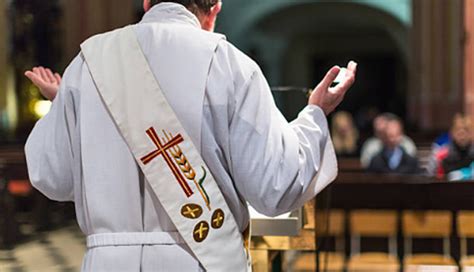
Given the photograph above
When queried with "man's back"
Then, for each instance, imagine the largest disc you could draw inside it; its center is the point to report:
(93, 163)
(224, 103)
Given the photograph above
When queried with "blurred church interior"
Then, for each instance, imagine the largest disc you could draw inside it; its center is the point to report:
(416, 60)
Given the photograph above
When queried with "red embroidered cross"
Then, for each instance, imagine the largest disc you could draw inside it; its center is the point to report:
(162, 150)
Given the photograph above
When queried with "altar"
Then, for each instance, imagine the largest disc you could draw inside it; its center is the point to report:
(290, 232)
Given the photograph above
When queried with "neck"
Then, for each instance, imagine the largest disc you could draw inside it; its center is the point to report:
(170, 13)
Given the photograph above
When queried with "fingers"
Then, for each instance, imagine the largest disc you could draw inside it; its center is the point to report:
(37, 72)
(351, 72)
(329, 78)
(349, 78)
(43, 73)
(34, 77)
(58, 78)
(30, 75)
(352, 66)
(43, 76)
(50, 75)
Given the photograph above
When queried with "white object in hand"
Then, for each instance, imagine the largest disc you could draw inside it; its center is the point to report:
(340, 77)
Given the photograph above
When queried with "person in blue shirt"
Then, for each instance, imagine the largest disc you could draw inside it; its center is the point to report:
(393, 158)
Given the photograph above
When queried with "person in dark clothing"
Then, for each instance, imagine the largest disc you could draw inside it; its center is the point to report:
(393, 158)
(459, 160)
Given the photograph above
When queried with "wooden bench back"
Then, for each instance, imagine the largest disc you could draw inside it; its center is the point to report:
(373, 223)
(465, 224)
(427, 224)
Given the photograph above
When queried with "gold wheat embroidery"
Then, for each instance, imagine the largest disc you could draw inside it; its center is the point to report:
(188, 170)
(183, 164)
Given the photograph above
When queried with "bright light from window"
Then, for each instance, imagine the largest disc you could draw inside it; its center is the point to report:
(42, 107)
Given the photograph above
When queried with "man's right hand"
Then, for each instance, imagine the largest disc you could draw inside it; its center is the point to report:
(328, 98)
(45, 80)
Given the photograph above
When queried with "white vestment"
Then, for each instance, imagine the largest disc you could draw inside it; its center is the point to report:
(75, 153)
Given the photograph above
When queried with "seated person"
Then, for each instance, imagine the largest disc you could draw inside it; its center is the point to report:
(374, 145)
(345, 135)
(393, 158)
(457, 161)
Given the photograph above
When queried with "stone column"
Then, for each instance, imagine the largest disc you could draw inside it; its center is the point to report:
(469, 59)
(437, 63)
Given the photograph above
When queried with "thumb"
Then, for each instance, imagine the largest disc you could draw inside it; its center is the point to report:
(329, 78)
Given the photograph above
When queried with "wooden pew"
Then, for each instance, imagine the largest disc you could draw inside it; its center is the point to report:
(358, 190)
(374, 191)
(14, 184)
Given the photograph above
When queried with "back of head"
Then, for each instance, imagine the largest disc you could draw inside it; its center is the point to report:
(195, 6)
(381, 122)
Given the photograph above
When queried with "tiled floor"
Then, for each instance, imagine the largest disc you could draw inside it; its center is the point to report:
(59, 250)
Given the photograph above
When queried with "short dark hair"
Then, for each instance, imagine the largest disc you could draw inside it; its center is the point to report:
(390, 117)
(193, 5)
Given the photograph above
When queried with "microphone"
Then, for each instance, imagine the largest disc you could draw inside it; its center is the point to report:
(285, 89)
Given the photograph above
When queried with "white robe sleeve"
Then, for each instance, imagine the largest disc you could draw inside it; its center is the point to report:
(275, 164)
(49, 149)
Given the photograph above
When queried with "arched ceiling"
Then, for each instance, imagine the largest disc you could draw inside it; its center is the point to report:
(238, 16)
(243, 21)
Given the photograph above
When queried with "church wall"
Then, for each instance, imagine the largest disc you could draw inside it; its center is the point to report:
(436, 70)
(432, 53)
(469, 59)
(434, 62)
(292, 42)
(85, 18)
(239, 16)
(3, 53)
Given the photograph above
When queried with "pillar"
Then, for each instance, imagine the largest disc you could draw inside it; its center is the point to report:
(8, 97)
(3, 54)
(469, 58)
(436, 92)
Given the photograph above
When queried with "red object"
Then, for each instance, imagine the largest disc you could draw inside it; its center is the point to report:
(19, 187)
(162, 150)
(440, 156)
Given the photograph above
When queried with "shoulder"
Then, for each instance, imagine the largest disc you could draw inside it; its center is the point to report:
(242, 66)
(408, 142)
(373, 142)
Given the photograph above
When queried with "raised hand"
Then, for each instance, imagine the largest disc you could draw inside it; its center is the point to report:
(328, 98)
(47, 81)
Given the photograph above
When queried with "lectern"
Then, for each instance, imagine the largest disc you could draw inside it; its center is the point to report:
(293, 231)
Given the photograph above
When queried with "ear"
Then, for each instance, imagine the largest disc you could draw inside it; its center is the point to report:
(210, 21)
(215, 10)
(146, 5)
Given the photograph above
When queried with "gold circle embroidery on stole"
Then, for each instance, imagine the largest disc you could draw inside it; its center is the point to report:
(201, 231)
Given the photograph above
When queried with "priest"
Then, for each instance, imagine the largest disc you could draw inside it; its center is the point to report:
(163, 132)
